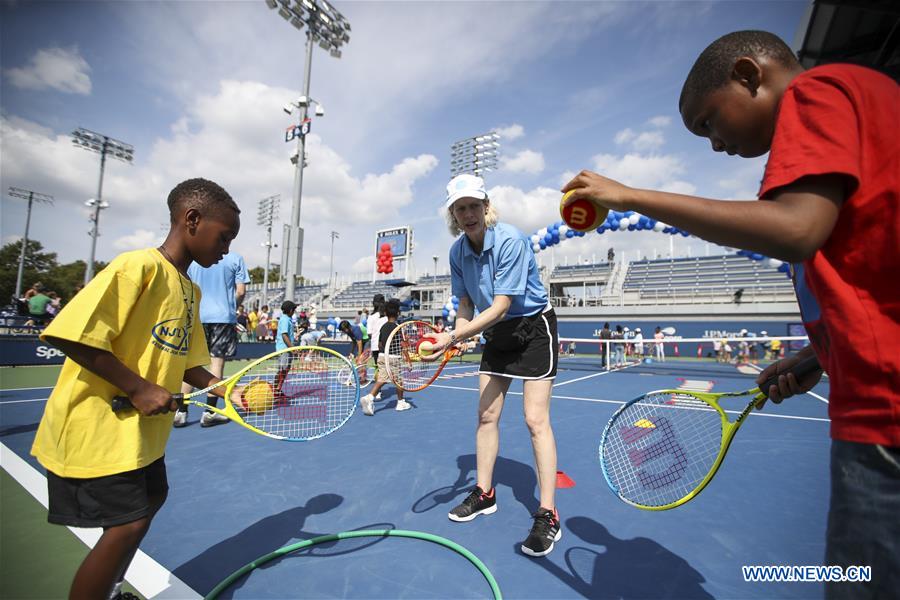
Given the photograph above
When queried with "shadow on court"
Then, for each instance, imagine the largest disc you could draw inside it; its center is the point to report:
(518, 477)
(207, 569)
(626, 569)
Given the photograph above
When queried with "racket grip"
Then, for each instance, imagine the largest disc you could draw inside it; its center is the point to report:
(120, 403)
(804, 367)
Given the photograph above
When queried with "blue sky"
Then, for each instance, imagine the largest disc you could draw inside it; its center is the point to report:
(197, 88)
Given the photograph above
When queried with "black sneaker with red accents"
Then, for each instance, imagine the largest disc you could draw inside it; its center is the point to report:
(544, 533)
(476, 503)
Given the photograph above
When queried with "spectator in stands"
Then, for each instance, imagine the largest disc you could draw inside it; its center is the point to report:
(252, 324)
(659, 336)
(832, 170)
(262, 328)
(737, 295)
(493, 270)
(37, 304)
(243, 324)
(222, 286)
(611, 255)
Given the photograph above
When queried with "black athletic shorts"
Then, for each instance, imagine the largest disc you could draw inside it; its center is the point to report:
(522, 347)
(106, 501)
(221, 339)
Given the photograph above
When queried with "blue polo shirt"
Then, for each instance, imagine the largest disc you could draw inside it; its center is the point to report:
(217, 286)
(506, 266)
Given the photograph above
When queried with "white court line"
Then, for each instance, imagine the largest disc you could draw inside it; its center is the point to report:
(5, 402)
(811, 393)
(621, 402)
(147, 576)
(556, 385)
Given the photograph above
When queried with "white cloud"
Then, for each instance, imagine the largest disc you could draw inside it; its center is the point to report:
(660, 121)
(510, 132)
(59, 69)
(141, 238)
(624, 136)
(648, 140)
(526, 161)
(636, 170)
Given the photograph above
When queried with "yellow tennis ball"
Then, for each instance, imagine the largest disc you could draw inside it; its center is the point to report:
(582, 214)
(258, 398)
(425, 348)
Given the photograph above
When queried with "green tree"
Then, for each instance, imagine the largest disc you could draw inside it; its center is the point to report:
(257, 273)
(41, 266)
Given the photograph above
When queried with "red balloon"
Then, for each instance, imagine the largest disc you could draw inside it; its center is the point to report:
(385, 246)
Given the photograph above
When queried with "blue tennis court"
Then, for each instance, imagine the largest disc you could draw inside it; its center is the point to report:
(235, 497)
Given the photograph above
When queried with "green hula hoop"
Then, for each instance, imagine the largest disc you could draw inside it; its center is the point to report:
(418, 535)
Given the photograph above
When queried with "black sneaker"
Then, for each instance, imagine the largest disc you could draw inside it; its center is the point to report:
(477, 503)
(544, 533)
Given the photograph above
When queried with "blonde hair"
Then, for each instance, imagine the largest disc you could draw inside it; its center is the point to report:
(491, 218)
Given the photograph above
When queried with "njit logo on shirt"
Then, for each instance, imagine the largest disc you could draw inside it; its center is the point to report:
(172, 336)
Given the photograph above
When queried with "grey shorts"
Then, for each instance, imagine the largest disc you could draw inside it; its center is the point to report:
(221, 339)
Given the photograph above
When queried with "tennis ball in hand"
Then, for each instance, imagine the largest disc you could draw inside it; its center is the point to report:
(258, 398)
(582, 214)
(425, 348)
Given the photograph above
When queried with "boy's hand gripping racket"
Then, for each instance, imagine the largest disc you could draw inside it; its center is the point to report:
(408, 358)
(661, 449)
(281, 397)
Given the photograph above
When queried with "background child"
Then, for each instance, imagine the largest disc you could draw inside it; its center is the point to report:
(367, 402)
(830, 202)
(133, 329)
(284, 338)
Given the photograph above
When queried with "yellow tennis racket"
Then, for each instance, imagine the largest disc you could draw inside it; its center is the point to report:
(661, 449)
(281, 397)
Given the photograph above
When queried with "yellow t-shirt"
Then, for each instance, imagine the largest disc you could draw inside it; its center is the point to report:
(136, 308)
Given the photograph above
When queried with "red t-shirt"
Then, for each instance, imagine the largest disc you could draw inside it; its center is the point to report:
(845, 119)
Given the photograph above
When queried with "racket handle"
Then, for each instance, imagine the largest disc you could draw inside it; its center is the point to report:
(120, 403)
(804, 367)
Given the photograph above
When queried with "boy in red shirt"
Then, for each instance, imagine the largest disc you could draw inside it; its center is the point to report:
(830, 204)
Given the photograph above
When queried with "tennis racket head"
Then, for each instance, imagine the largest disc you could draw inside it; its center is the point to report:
(661, 449)
(295, 394)
(407, 369)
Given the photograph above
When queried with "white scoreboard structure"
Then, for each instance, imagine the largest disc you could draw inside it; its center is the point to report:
(401, 242)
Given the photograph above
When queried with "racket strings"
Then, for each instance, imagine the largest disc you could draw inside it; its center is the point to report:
(406, 366)
(659, 449)
(295, 395)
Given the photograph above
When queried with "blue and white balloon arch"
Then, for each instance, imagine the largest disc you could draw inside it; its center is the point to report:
(558, 232)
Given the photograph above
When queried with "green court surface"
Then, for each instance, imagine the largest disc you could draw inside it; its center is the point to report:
(37, 559)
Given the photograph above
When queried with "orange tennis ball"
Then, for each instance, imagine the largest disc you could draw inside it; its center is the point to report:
(582, 214)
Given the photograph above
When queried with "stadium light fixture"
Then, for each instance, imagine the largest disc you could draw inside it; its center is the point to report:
(105, 146)
(268, 212)
(31, 197)
(327, 27)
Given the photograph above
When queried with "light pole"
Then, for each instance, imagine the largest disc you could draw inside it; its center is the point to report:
(434, 279)
(31, 197)
(326, 26)
(475, 155)
(97, 142)
(268, 212)
(334, 234)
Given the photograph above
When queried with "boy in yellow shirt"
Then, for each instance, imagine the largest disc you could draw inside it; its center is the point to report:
(134, 330)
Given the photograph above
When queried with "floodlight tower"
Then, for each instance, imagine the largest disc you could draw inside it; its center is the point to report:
(326, 26)
(31, 197)
(475, 155)
(268, 212)
(334, 235)
(104, 145)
